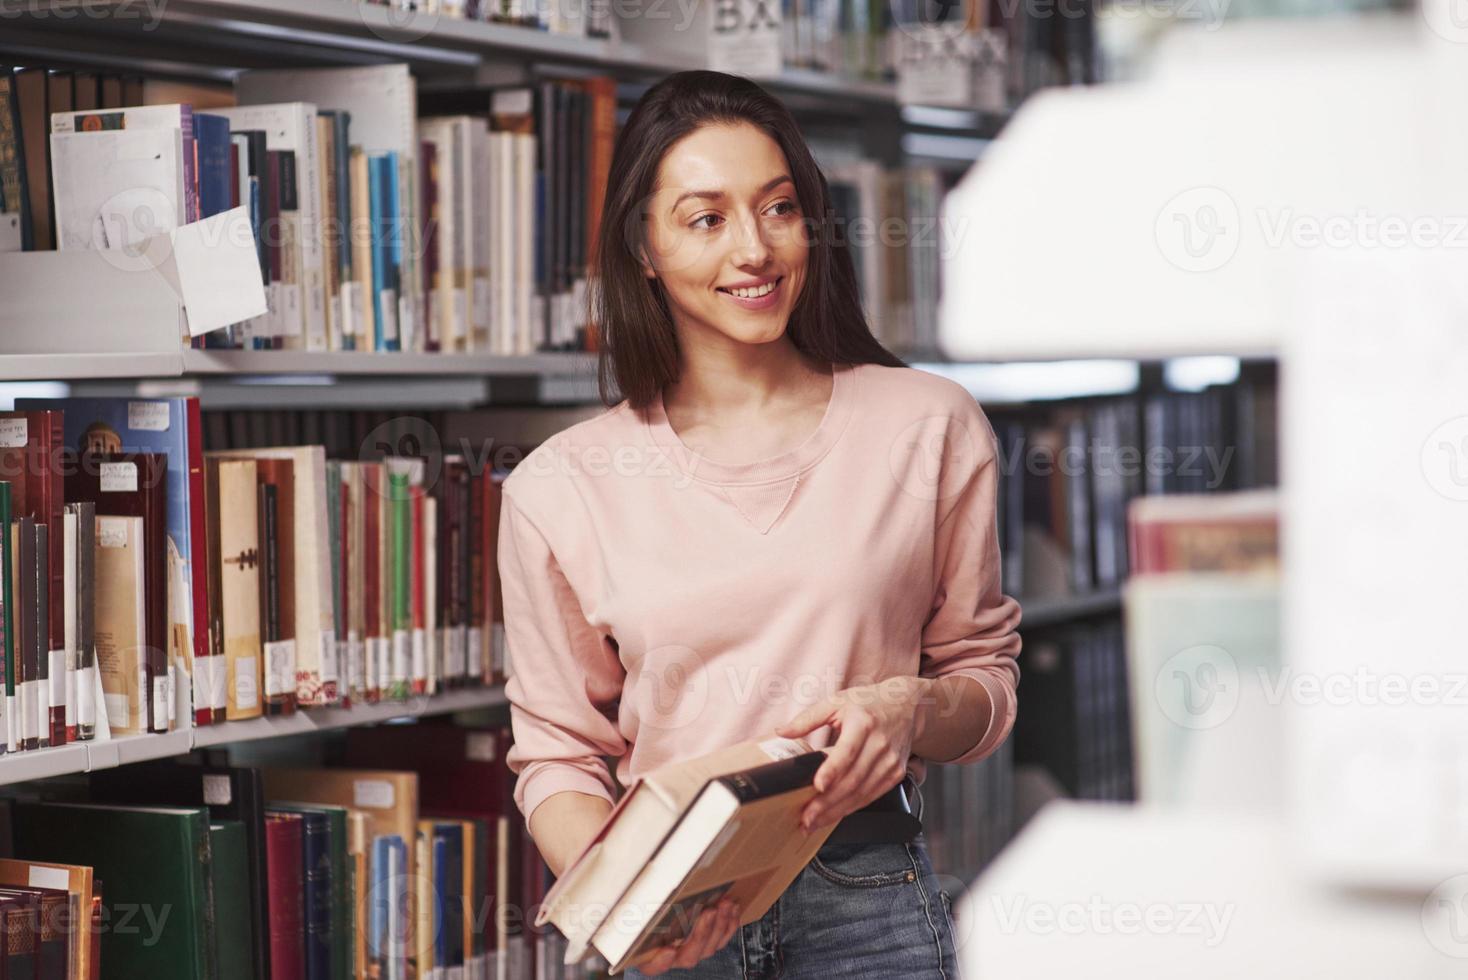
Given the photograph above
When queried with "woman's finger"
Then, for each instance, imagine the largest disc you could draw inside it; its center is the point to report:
(693, 948)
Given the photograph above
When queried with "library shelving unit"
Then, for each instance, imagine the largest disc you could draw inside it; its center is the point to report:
(1235, 204)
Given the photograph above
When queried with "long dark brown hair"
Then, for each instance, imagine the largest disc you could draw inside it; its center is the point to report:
(637, 341)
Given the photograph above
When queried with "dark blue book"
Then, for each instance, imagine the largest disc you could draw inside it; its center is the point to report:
(211, 138)
(448, 888)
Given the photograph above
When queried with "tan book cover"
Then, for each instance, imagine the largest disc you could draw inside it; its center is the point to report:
(358, 841)
(427, 885)
(308, 554)
(235, 565)
(76, 881)
(751, 859)
(363, 313)
(121, 636)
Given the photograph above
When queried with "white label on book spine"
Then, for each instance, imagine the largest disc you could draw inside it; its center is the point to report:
(458, 313)
(406, 322)
(280, 667)
(356, 661)
(482, 303)
(373, 794)
(43, 709)
(390, 314)
(330, 671)
(111, 532)
(212, 682)
(246, 684)
(119, 711)
(476, 651)
(71, 695)
(12, 433)
(8, 705)
(453, 654)
(119, 477)
(29, 703)
(56, 677)
(147, 416)
(170, 692)
(420, 654)
(351, 304)
(216, 790)
(142, 721)
(402, 652)
(37, 877)
(86, 704)
(780, 748)
(160, 703)
(479, 747)
(291, 313)
(336, 313)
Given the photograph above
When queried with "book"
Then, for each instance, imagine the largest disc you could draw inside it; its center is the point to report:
(148, 858)
(75, 920)
(285, 846)
(234, 933)
(681, 838)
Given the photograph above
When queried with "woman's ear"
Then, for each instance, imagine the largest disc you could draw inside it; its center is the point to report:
(647, 269)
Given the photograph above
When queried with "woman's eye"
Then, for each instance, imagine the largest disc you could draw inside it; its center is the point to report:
(711, 219)
(781, 208)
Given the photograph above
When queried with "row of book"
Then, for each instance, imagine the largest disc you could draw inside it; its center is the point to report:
(272, 578)
(968, 813)
(1069, 470)
(407, 859)
(889, 219)
(466, 230)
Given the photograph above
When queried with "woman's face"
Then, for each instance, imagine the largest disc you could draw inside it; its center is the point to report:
(725, 234)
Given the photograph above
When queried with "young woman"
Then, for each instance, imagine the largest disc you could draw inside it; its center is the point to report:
(778, 530)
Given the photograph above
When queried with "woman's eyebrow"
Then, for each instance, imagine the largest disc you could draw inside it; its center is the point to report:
(720, 195)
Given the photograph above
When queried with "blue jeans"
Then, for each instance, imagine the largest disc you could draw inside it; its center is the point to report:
(856, 910)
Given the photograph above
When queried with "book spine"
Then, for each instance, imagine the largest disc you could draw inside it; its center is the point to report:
(7, 618)
(774, 778)
(208, 668)
(86, 629)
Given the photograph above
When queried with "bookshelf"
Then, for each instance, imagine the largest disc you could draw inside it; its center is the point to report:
(78, 757)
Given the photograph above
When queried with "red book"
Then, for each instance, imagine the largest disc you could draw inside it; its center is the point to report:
(285, 857)
(490, 489)
(208, 666)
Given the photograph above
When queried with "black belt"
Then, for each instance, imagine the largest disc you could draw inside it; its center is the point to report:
(886, 820)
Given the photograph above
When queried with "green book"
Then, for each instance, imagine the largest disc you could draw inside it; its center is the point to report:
(155, 865)
(401, 497)
(342, 920)
(234, 939)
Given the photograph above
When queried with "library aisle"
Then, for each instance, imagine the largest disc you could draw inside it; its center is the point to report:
(309, 599)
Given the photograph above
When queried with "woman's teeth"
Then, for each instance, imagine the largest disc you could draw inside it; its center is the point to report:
(754, 292)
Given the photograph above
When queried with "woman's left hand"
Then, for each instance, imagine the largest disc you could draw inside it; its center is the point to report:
(876, 725)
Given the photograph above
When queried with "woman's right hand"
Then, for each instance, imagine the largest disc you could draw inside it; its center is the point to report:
(711, 932)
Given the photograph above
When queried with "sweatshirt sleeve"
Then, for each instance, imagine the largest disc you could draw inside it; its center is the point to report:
(971, 629)
(566, 678)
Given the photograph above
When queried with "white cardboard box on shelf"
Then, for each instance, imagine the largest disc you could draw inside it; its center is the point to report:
(737, 36)
(193, 279)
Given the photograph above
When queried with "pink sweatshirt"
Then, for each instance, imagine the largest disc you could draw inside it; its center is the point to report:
(660, 605)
